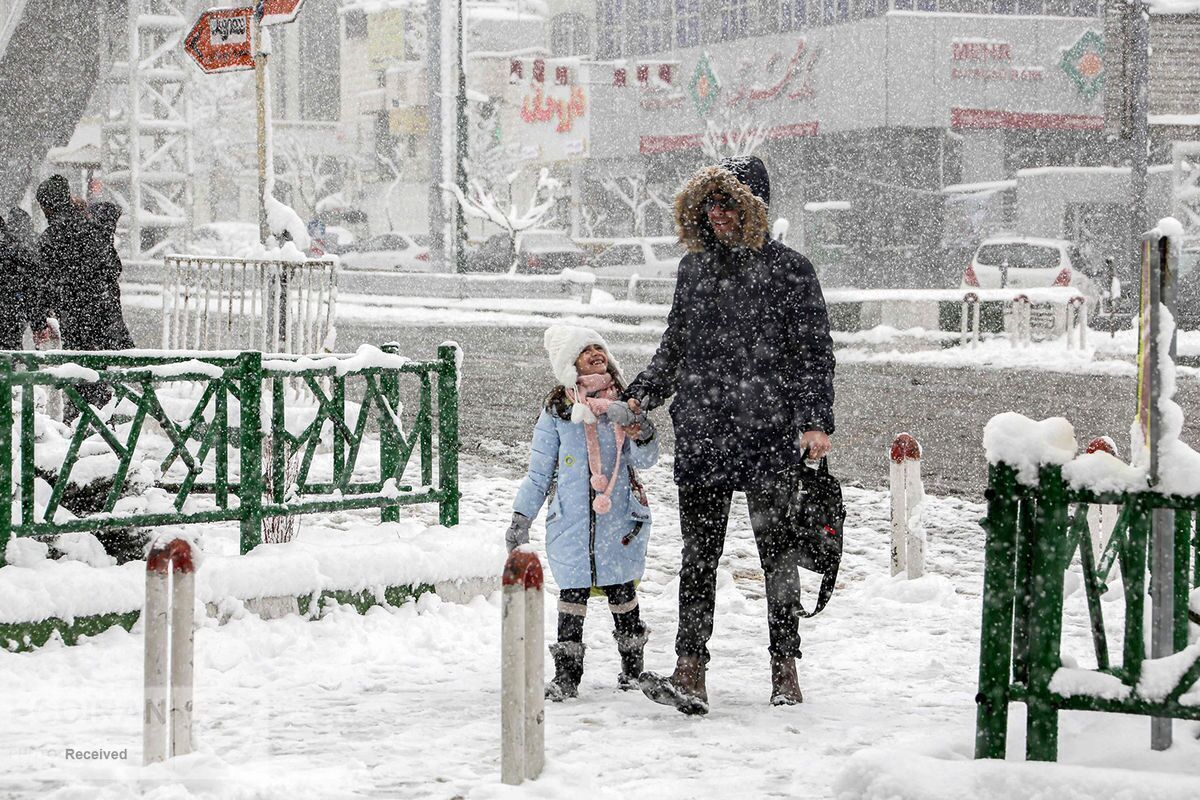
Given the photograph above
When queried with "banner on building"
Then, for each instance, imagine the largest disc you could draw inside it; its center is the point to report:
(550, 108)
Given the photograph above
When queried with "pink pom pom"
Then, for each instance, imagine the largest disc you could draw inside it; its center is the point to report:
(599, 483)
(602, 504)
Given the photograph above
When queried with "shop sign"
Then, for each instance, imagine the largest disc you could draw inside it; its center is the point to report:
(1084, 64)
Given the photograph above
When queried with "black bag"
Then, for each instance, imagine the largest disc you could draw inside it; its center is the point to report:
(816, 520)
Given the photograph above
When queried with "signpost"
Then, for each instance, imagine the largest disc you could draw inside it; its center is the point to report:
(220, 41)
(278, 12)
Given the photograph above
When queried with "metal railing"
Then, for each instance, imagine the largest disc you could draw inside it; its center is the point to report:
(215, 445)
(1032, 537)
(216, 303)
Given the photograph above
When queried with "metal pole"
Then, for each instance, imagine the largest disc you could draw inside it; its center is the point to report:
(133, 58)
(433, 39)
(1139, 141)
(260, 96)
(460, 149)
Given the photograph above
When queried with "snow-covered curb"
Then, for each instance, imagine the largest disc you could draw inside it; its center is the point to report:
(366, 561)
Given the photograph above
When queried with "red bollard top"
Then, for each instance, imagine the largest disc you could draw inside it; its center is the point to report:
(523, 567)
(1103, 443)
(174, 555)
(905, 448)
(1021, 298)
(970, 297)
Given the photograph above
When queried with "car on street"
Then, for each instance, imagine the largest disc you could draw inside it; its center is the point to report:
(652, 257)
(536, 252)
(1026, 262)
(225, 239)
(405, 252)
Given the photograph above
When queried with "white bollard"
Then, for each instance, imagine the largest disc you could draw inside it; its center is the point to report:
(522, 677)
(170, 601)
(908, 494)
(970, 319)
(1102, 519)
(1022, 321)
(1077, 323)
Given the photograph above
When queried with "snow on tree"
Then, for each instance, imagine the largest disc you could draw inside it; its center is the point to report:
(636, 196)
(733, 134)
(480, 202)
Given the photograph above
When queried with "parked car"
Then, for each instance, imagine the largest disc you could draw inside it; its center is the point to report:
(401, 251)
(1022, 262)
(228, 239)
(537, 252)
(656, 257)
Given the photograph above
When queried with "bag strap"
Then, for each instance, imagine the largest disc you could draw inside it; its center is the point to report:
(823, 595)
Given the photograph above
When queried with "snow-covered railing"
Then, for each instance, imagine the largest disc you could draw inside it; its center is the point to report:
(1040, 519)
(272, 305)
(1020, 303)
(219, 437)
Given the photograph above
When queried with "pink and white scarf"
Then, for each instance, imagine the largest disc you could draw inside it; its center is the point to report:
(592, 396)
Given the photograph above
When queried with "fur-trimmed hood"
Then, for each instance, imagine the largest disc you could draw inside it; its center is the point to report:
(691, 221)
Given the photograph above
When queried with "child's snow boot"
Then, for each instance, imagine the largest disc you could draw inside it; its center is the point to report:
(685, 689)
(631, 646)
(568, 671)
(785, 687)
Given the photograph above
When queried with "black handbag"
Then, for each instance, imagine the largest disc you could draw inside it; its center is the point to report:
(816, 520)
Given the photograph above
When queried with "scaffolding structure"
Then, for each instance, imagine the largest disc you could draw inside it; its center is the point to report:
(147, 138)
(1185, 189)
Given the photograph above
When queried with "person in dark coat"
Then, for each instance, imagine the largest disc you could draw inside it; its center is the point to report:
(748, 357)
(77, 259)
(20, 280)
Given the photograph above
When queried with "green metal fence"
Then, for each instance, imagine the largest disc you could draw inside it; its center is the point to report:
(1033, 534)
(221, 443)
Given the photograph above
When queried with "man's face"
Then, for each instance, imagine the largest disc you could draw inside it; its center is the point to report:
(723, 216)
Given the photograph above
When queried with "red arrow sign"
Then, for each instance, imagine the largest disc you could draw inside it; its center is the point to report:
(277, 12)
(220, 40)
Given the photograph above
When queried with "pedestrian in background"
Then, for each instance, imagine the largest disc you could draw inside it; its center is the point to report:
(586, 449)
(20, 281)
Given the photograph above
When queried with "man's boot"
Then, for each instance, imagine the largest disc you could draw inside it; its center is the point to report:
(785, 687)
(568, 671)
(631, 646)
(685, 688)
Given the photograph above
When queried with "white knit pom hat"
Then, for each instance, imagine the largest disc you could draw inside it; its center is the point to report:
(564, 343)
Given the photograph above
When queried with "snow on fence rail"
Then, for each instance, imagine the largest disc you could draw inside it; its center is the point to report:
(276, 306)
(158, 434)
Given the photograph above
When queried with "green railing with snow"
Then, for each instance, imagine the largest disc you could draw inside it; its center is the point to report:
(217, 437)
(1043, 511)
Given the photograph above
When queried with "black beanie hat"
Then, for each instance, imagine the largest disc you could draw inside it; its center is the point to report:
(54, 194)
(751, 171)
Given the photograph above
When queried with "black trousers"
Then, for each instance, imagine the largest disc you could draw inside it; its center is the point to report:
(622, 602)
(703, 519)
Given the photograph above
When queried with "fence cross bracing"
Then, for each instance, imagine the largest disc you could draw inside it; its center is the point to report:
(1032, 538)
(276, 306)
(197, 426)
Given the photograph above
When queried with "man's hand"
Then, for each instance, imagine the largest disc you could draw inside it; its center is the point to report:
(634, 405)
(816, 443)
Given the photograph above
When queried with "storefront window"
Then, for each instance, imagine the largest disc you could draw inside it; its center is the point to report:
(687, 23)
(735, 19)
(653, 23)
(793, 15)
(610, 28)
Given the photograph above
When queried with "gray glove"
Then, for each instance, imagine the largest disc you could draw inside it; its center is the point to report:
(621, 414)
(518, 531)
(647, 432)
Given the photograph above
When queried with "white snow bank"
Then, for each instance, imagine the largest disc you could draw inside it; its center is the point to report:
(369, 556)
(899, 588)
(1026, 444)
(877, 774)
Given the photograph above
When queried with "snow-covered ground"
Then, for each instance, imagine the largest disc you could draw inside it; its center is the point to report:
(405, 702)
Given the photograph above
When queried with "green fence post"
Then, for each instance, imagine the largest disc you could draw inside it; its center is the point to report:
(1134, 552)
(995, 644)
(389, 440)
(1183, 526)
(448, 434)
(250, 483)
(1023, 607)
(28, 471)
(1045, 623)
(6, 453)
(278, 441)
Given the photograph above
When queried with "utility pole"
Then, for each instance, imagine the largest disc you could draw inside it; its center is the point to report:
(433, 71)
(460, 149)
(261, 53)
(1139, 140)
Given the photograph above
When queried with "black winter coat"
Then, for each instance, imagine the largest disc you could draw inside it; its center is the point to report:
(747, 355)
(20, 291)
(82, 280)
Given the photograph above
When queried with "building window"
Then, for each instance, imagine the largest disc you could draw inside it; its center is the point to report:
(843, 10)
(610, 28)
(320, 62)
(793, 15)
(1031, 7)
(653, 21)
(1085, 8)
(927, 5)
(735, 19)
(902, 5)
(570, 35)
(687, 23)
(356, 24)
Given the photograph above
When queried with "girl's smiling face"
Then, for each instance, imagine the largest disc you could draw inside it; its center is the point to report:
(592, 361)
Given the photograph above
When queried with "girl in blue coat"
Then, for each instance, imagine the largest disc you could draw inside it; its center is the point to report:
(586, 446)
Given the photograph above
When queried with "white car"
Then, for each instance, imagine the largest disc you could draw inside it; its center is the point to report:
(400, 251)
(655, 257)
(222, 239)
(1025, 262)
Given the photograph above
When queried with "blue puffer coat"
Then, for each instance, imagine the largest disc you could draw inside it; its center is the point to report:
(584, 548)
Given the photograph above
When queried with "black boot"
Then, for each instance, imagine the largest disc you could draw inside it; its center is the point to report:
(568, 671)
(631, 647)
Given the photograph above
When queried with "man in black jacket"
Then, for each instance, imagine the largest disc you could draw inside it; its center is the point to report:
(748, 356)
(81, 269)
(20, 281)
